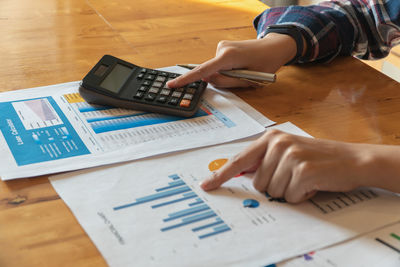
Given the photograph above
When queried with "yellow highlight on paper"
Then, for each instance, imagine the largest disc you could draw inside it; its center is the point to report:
(74, 98)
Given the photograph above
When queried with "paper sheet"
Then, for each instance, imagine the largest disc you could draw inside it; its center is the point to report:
(52, 129)
(153, 213)
(376, 249)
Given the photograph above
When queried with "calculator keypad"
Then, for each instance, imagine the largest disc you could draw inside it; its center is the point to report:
(153, 88)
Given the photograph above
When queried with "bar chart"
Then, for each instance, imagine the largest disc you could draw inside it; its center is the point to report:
(113, 128)
(197, 217)
(104, 119)
(328, 202)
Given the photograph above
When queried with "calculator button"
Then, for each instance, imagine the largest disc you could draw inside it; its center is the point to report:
(154, 90)
(166, 86)
(191, 90)
(173, 101)
(165, 92)
(150, 97)
(153, 72)
(150, 77)
(162, 99)
(143, 88)
(163, 74)
(160, 79)
(140, 76)
(146, 83)
(188, 96)
(143, 70)
(176, 94)
(185, 103)
(180, 89)
(157, 84)
(138, 95)
(174, 75)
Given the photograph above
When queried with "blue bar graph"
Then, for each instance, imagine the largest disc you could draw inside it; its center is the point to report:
(175, 192)
(104, 124)
(109, 124)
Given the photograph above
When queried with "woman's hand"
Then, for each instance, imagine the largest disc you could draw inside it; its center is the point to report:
(265, 55)
(295, 167)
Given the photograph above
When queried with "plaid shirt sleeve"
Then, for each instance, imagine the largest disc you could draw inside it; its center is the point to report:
(363, 28)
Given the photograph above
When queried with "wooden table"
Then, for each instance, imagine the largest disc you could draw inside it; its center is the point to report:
(54, 41)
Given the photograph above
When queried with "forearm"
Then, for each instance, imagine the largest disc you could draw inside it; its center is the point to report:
(339, 27)
(382, 166)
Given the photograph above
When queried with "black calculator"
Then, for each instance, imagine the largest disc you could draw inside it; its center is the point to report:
(115, 82)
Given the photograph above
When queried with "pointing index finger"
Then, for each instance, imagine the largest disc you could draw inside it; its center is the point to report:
(243, 161)
(198, 73)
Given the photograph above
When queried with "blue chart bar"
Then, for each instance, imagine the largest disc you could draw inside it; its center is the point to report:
(113, 117)
(198, 201)
(183, 213)
(192, 219)
(188, 196)
(217, 230)
(177, 191)
(222, 117)
(155, 196)
(174, 177)
(85, 107)
(171, 185)
(217, 221)
(110, 124)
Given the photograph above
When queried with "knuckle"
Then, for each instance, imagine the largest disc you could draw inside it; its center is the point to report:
(222, 44)
(302, 170)
(228, 51)
(281, 142)
(273, 132)
(294, 152)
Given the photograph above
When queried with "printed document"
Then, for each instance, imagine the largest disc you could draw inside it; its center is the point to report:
(52, 129)
(376, 249)
(152, 212)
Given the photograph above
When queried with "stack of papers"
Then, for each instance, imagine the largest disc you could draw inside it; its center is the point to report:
(152, 211)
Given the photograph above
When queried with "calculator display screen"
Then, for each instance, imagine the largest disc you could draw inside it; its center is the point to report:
(116, 78)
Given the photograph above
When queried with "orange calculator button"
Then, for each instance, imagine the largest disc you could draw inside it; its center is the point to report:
(185, 103)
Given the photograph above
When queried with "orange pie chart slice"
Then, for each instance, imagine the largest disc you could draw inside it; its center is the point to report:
(216, 164)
